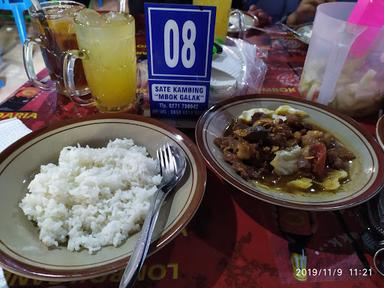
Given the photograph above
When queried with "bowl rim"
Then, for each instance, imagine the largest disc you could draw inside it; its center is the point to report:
(379, 128)
(375, 188)
(304, 40)
(34, 272)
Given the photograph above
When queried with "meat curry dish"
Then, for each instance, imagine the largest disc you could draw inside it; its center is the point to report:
(281, 149)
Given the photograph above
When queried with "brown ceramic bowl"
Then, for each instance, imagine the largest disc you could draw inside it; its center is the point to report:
(21, 251)
(380, 131)
(366, 171)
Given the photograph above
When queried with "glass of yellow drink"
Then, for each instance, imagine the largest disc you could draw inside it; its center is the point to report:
(223, 8)
(108, 52)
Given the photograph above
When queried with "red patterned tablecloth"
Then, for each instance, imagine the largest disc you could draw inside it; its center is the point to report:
(233, 240)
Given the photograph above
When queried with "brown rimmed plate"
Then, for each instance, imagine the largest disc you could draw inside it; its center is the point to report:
(366, 171)
(21, 251)
(380, 131)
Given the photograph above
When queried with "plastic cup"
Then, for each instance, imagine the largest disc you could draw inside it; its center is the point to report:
(334, 76)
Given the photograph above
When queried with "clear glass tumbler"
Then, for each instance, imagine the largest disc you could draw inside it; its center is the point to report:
(54, 33)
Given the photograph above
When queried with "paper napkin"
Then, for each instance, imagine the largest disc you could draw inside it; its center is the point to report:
(11, 130)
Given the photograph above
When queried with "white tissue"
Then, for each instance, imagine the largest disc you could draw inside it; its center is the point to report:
(11, 130)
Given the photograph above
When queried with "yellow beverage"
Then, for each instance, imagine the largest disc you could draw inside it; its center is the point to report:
(223, 8)
(110, 62)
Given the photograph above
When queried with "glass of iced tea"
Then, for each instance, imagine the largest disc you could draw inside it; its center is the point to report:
(223, 8)
(54, 33)
(108, 53)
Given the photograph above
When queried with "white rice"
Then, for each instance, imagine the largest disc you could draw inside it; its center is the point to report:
(93, 197)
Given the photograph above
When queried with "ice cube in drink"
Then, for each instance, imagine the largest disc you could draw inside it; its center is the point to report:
(90, 17)
(115, 18)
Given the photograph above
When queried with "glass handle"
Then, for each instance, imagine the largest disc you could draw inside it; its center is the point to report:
(69, 77)
(28, 64)
(124, 7)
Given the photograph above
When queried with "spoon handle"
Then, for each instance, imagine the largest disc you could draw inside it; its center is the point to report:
(286, 27)
(140, 251)
(268, 31)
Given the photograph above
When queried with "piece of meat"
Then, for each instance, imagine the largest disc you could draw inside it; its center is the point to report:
(256, 134)
(242, 169)
(239, 147)
(294, 122)
(297, 135)
(266, 154)
(307, 126)
(225, 143)
(253, 134)
(329, 140)
(237, 165)
(258, 115)
(244, 150)
(279, 136)
(304, 164)
(338, 157)
(277, 139)
(234, 125)
(332, 156)
(343, 153)
(265, 122)
(312, 137)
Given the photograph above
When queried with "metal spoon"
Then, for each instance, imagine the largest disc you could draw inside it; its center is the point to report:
(293, 31)
(242, 23)
(266, 30)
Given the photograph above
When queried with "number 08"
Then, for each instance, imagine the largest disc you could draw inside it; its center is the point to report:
(189, 29)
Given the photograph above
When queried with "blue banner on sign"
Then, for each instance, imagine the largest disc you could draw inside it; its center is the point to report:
(179, 43)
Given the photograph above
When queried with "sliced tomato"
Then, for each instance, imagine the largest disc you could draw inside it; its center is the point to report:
(319, 151)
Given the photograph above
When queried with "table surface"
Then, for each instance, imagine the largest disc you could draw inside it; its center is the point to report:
(233, 240)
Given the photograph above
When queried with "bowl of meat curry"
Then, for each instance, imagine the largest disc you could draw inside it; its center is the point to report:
(291, 152)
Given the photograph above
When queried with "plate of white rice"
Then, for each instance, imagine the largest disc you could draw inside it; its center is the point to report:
(75, 195)
(93, 197)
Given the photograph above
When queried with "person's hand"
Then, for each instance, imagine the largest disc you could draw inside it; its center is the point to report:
(305, 12)
(264, 18)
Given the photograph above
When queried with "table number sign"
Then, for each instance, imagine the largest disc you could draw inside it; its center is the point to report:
(179, 43)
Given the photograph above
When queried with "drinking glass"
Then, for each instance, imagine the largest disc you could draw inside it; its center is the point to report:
(223, 8)
(108, 52)
(54, 33)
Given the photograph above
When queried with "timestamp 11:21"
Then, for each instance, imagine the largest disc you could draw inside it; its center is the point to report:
(364, 272)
